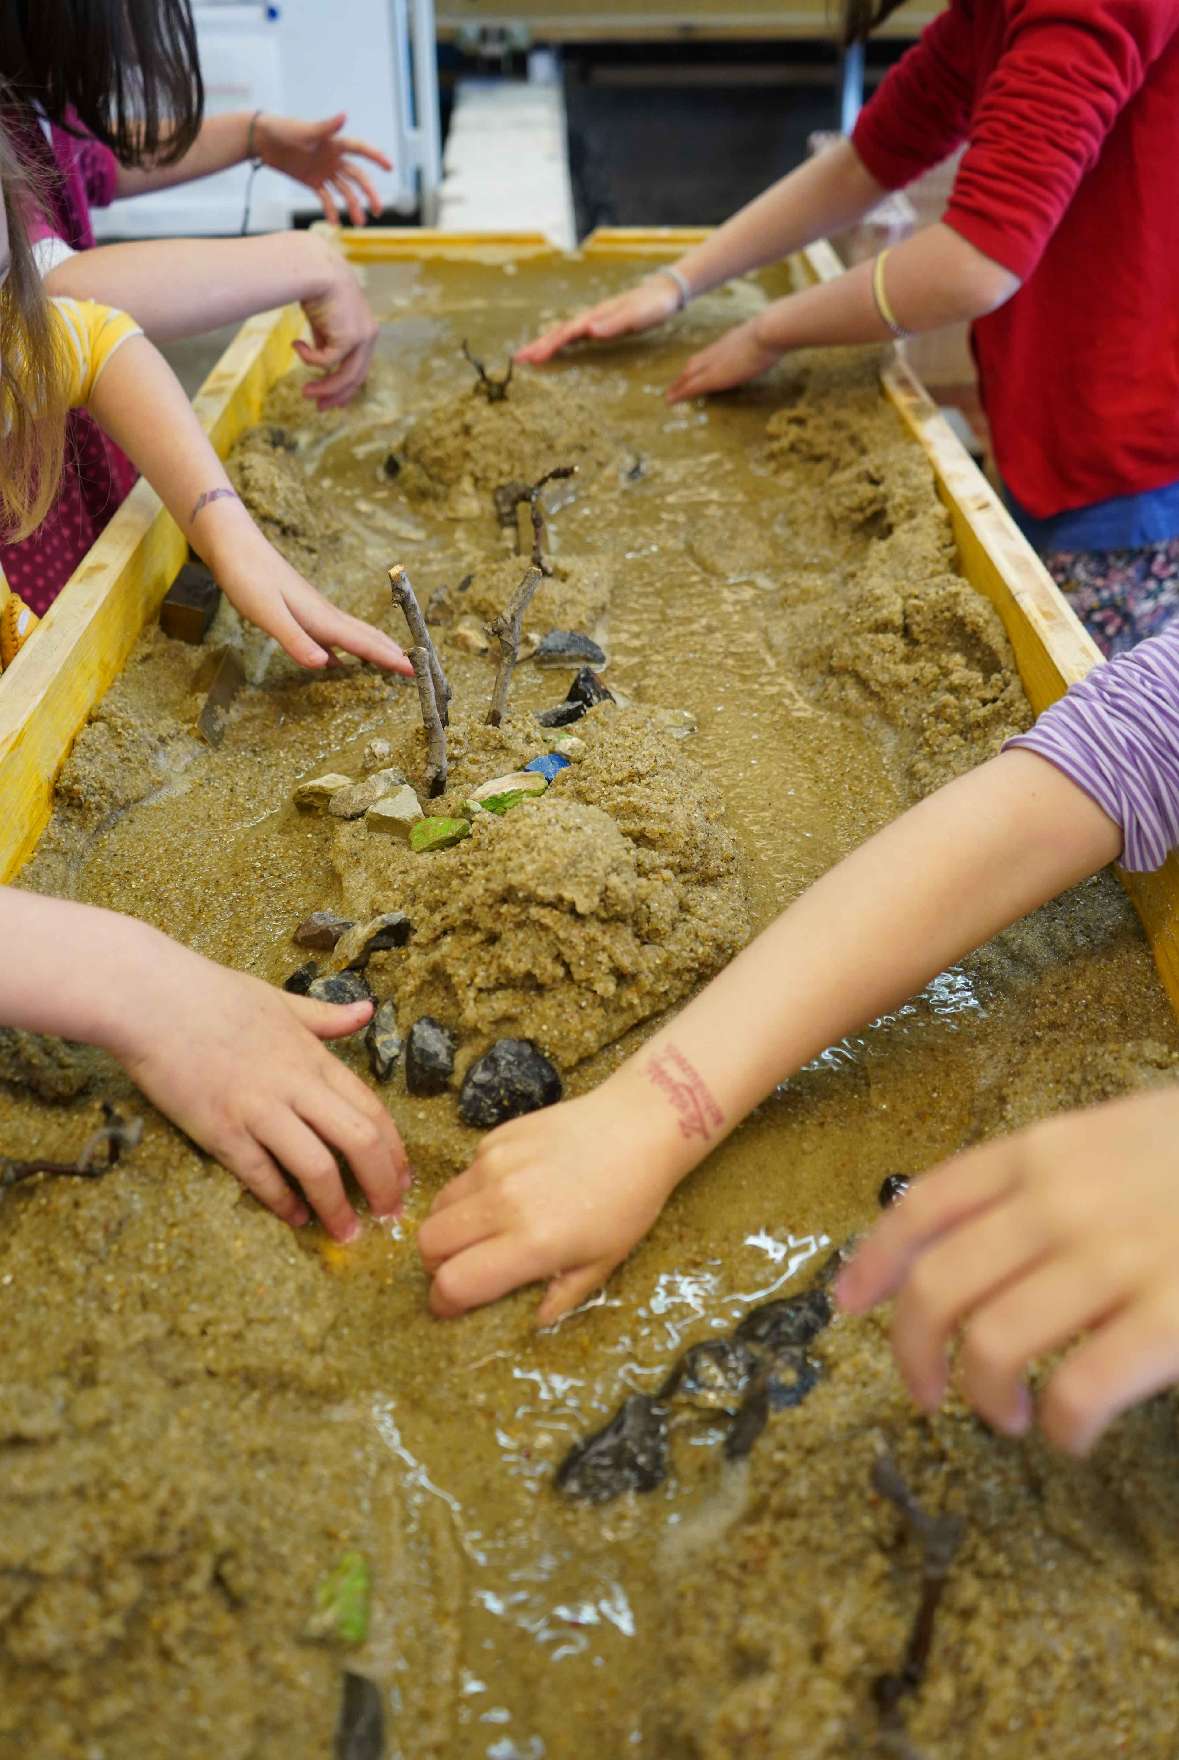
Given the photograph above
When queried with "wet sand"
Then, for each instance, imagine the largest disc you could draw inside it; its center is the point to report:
(200, 1412)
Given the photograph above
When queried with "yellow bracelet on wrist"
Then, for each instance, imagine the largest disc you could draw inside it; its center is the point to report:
(887, 316)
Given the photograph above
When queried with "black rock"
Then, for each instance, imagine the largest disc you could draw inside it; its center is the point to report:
(588, 688)
(713, 1376)
(392, 466)
(301, 979)
(360, 1725)
(564, 715)
(750, 1421)
(892, 1187)
(781, 1325)
(794, 1376)
(511, 1078)
(636, 470)
(322, 929)
(429, 1056)
(629, 1454)
(382, 1041)
(568, 647)
(340, 987)
(281, 440)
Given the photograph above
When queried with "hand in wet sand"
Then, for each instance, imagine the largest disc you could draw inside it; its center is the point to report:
(640, 308)
(562, 1194)
(240, 1068)
(1068, 1229)
(264, 587)
(736, 358)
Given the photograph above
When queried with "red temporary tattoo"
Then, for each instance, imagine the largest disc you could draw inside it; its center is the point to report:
(685, 1088)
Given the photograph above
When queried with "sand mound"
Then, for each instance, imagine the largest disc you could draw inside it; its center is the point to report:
(572, 917)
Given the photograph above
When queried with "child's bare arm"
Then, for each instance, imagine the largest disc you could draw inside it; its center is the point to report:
(315, 153)
(822, 196)
(565, 1194)
(184, 287)
(140, 403)
(236, 1064)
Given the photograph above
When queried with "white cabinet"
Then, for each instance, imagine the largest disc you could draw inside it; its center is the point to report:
(374, 59)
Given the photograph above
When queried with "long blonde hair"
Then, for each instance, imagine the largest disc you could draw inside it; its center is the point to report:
(34, 399)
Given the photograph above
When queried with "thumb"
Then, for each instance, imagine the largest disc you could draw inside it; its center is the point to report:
(569, 1290)
(329, 1020)
(330, 125)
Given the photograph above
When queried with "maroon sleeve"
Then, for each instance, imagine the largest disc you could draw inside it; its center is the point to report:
(921, 111)
(1043, 116)
(100, 173)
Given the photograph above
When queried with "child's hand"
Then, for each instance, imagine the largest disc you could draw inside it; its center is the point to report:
(562, 1194)
(738, 356)
(1071, 1227)
(315, 153)
(264, 587)
(344, 335)
(652, 302)
(240, 1068)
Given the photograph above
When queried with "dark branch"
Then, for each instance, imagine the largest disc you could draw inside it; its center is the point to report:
(100, 1152)
(940, 1537)
(509, 496)
(494, 390)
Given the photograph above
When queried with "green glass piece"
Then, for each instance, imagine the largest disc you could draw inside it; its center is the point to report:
(342, 1599)
(438, 833)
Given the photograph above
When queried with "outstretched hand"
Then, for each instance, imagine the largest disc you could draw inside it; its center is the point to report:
(640, 308)
(239, 1066)
(265, 589)
(1066, 1231)
(317, 154)
(736, 358)
(560, 1195)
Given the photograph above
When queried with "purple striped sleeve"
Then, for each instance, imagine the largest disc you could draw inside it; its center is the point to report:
(1116, 735)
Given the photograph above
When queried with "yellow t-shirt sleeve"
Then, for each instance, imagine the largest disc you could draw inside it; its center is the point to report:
(91, 334)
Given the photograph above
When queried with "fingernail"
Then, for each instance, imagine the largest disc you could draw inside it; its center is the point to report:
(300, 1218)
(350, 1233)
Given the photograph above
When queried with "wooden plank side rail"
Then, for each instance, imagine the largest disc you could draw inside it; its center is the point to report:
(59, 678)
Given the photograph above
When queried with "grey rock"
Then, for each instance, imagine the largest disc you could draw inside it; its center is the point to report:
(568, 647)
(398, 812)
(340, 987)
(510, 1078)
(318, 791)
(355, 800)
(382, 1041)
(377, 754)
(429, 1056)
(322, 929)
(356, 948)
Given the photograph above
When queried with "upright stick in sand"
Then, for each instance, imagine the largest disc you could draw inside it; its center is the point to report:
(419, 659)
(506, 629)
(406, 598)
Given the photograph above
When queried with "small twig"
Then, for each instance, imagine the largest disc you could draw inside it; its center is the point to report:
(419, 631)
(940, 1537)
(508, 498)
(506, 629)
(419, 659)
(494, 390)
(100, 1152)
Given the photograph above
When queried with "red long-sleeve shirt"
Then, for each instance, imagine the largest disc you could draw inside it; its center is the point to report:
(1070, 180)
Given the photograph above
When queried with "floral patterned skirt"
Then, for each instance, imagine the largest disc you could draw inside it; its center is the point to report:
(1121, 596)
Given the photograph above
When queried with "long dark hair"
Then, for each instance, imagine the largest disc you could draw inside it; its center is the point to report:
(861, 17)
(128, 69)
